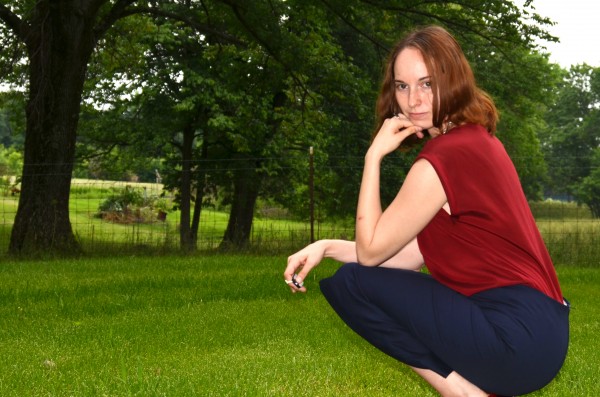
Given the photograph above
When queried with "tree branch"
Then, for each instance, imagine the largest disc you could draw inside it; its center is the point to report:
(122, 10)
(352, 26)
(461, 25)
(117, 11)
(266, 45)
(16, 24)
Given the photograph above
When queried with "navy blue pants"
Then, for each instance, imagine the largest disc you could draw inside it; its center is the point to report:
(508, 341)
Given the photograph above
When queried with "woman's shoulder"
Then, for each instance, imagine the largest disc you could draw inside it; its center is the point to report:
(464, 141)
(466, 131)
(465, 134)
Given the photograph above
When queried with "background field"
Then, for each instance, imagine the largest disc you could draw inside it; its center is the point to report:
(222, 325)
(570, 232)
(273, 229)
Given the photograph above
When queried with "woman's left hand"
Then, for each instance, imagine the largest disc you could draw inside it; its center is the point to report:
(301, 263)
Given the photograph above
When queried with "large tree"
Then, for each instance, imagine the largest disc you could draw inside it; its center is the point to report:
(59, 37)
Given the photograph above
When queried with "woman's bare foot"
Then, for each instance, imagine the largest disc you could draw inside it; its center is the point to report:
(452, 386)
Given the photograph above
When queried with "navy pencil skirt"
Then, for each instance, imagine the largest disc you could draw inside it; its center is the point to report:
(508, 341)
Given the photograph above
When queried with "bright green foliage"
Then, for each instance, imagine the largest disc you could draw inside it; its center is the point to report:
(11, 162)
(12, 119)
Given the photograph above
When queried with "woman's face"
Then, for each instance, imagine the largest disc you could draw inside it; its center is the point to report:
(413, 89)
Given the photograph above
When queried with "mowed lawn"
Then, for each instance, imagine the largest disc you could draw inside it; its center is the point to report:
(215, 325)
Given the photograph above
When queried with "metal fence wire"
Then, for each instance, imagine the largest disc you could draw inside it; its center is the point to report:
(121, 216)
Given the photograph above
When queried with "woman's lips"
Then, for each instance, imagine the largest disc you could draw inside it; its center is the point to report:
(418, 116)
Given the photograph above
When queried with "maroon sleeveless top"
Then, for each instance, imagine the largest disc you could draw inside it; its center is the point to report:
(491, 239)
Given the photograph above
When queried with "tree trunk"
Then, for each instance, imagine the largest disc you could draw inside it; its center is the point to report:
(200, 187)
(245, 192)
(59, 49)
(186, 238)
(247, 184)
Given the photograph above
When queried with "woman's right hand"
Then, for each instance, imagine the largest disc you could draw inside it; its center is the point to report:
(302, 262)
(392, 133)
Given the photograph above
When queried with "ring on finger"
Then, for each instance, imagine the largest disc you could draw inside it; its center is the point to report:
(296, 283)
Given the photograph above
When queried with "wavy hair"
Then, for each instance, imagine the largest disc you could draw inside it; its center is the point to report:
(456, 98)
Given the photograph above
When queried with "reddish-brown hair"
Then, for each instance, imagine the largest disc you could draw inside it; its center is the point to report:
(456, 96)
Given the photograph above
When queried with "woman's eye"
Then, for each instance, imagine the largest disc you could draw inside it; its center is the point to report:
(401, 86)
(426, 84)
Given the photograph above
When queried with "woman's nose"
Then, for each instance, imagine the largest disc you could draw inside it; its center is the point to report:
(414, 98)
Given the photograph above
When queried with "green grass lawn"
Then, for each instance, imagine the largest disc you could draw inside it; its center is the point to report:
(214, 326)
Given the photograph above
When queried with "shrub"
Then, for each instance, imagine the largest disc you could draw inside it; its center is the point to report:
(130, 205)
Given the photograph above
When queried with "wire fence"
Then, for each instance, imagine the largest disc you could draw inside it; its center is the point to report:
(104, 222)
(124, 216)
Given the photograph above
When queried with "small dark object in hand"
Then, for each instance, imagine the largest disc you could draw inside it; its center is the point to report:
(296, 283)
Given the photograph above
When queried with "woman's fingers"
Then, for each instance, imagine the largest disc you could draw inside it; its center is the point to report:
(300, 264)
(392, 133)
(296, 263)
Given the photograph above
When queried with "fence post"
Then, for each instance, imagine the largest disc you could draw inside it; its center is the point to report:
(311, 190)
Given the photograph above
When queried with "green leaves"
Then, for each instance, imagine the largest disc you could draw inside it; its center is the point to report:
(571, 143)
